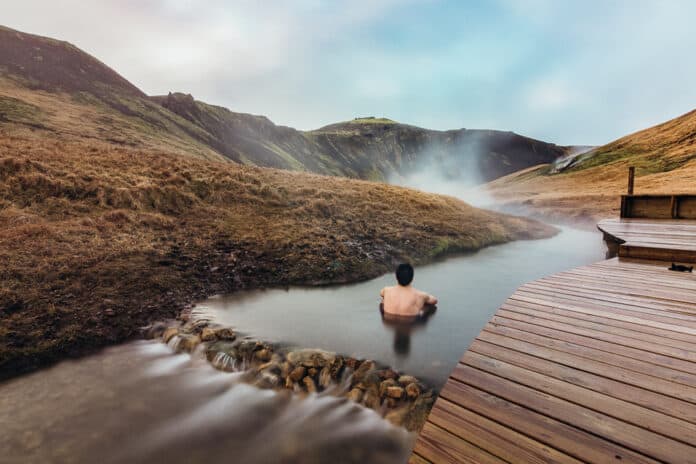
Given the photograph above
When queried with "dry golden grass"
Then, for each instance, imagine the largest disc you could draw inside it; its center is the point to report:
(665, 161)
(97, 240)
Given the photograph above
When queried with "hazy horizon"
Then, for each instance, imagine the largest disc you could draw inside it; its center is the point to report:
(572, 73)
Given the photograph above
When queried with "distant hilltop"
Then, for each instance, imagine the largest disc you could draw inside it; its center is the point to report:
(83, 97)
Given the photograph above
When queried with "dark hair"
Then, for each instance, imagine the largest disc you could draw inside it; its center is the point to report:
(404, 274)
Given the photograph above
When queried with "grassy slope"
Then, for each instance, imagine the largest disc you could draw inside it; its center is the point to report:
(53, 84)
(665, 161)
(97, 239)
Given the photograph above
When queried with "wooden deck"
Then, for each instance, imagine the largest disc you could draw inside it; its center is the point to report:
(663, 239)
(596, 364)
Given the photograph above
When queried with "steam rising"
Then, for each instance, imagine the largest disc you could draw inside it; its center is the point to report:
(453, 168)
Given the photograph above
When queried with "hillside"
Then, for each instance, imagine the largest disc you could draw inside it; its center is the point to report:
(53, 86)
(97, 240)
(664, 157)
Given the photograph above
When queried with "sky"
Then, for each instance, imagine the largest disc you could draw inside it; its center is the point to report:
(579, 72)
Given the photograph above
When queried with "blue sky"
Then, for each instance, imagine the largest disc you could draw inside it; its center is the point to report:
(570, 72)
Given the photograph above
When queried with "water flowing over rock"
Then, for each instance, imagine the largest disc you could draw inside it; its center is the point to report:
(402, 398)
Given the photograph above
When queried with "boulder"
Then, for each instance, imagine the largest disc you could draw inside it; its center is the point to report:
(412, 390)
(386, 384)
(388, 374)
(297, 374)
(406, 379)
(169, 333)
(311, 358)
(208, 334)
(187, 342)
(309, 384)
(325, 377)
(362, 371)
(263, 354)
(355, 395)
(225, 333)
(371, 399)
(155, 330)
(395, 392)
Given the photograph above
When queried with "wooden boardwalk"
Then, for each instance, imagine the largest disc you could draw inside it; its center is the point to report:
(663, 239)
(596, 364)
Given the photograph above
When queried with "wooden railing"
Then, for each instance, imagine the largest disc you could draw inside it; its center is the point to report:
(656, 206)
(675, 206)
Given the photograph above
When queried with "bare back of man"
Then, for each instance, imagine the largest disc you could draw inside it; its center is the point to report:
(403, 299)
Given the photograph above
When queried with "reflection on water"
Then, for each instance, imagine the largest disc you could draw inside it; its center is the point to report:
(140, 403)
(346, 318)
(404, 326)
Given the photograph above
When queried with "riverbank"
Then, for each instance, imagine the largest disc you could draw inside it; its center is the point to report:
(98, 240)
(401, 399)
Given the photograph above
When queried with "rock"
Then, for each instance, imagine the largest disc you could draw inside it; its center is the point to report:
(386, 384)
(406, 379)
(225, 333)
(395, 392)
(309, 384)
(267, 380)
(297, 374)
(270, 367)
(390, 403)
(362, 371)
(187, 343)
(195, 326)
(337, 367)
(371, 399)
(285, 368)
(325, 377)
(417, 413)
(396, 416)
(311, 358)
(412, 390)
(208, 335)
(312, 372)
(155, 330)
(289, 383)
(355, 395)
(388, 374)
(169, 333)
(263, 354)
(109, 312)
(352, 363)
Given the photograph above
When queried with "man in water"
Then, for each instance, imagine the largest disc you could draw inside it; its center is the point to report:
(403, 299)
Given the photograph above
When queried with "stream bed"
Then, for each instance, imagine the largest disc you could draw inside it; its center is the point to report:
(141, 402)
(346, 318)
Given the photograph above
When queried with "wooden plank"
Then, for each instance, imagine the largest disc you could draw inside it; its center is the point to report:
(572, 356)
(438, 445)
(606, 404)
(493, 437)
(609, 326)
(609, 312)
(559, 435)
(417, 459)
(637, 360)
(627, 435)
(594, 364)
(646, 398)
(633, 342)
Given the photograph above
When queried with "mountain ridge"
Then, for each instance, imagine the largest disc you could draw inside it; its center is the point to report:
(379, 149)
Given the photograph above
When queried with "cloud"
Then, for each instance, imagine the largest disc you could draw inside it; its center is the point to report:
(563, 71)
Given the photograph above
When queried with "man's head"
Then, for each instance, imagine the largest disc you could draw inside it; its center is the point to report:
(404, 274)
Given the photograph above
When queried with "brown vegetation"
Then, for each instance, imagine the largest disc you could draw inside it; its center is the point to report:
(97, 240)
(665, 161)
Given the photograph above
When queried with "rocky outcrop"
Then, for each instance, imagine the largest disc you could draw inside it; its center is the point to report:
(401, 399)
